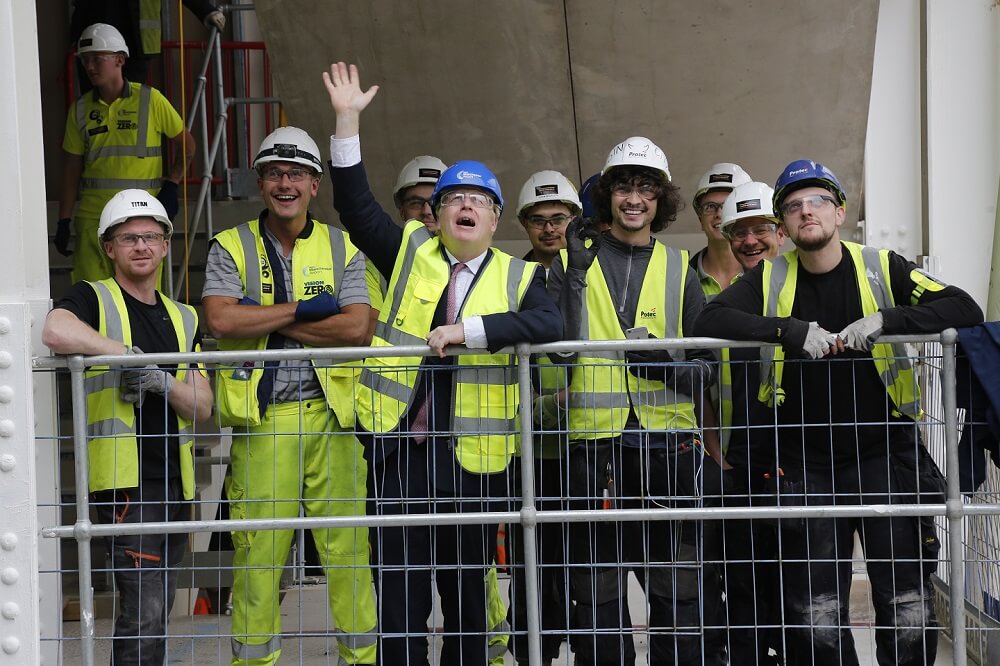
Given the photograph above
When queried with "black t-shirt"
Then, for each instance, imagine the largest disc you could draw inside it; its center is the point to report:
(836, 410)
(152, 332)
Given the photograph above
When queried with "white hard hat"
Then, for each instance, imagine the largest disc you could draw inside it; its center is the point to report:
(422, 169)
(637, 151)
(722, 176)
(100, 38)
(127, 204)
(548, 186)
(289, 144)
(748, 200)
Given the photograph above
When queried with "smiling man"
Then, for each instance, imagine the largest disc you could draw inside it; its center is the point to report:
(634, 417)
(439, 433)
(847, 429)
(715, 264)
(144, 471)
(288, 281)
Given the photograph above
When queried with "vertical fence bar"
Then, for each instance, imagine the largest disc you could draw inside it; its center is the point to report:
(528, 523)
(82, 526)
(955, 506)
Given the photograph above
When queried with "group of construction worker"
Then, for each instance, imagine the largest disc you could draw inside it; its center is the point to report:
(828, 416)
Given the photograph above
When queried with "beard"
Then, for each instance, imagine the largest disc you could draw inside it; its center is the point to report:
(814, 244)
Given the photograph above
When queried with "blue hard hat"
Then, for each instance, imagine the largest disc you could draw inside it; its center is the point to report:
(467, 173)
(585, 191)
(806, 173)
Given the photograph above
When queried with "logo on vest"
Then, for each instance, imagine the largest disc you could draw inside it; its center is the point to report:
(126, 125)
(647, 314)
(316, 288)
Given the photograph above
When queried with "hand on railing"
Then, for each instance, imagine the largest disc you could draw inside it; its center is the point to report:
(216, 19)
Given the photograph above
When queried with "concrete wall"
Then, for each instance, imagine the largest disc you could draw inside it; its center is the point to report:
(533, 84)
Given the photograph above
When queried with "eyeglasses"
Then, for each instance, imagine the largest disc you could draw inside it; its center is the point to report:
(94, 58)
(645, 191)
(814, 201)
(274, 174)
(758, 230)
(150, 238)
(476, 200)
(539, 221)
(709, 208)
(416, 203)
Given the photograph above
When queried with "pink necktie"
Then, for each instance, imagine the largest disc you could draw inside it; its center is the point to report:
(418, 428)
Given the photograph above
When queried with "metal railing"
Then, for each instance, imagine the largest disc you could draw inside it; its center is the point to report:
(955, 512)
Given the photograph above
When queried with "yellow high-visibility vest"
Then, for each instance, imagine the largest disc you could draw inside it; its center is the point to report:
(484, 395)
(892, 362)
(320, 261)
(601, 392)
(112, 448)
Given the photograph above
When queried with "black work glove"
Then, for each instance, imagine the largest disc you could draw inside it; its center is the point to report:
(579, 231)
(61, 241)
(168, 197)
(650, 363)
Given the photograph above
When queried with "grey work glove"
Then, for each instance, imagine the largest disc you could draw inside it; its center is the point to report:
(147, 379)
(577, 234)
(217, 19)
(125, 392)
(861, 334)
(818, 341)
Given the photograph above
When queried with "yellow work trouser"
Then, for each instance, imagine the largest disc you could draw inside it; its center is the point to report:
(90, 261)
(299, 454)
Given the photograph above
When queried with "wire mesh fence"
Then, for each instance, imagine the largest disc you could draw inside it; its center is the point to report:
(525, 519)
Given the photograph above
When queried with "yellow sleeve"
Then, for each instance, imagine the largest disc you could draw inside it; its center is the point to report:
(72, 141)
(165, 118)
(375, 289)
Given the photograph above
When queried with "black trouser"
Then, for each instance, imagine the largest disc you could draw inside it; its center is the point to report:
(751, 580)
(409, 560)
(901, 553)
(143, 566)
(664, 556)
(551, 543)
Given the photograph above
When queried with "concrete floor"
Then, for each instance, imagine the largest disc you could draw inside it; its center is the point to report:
(195, 641)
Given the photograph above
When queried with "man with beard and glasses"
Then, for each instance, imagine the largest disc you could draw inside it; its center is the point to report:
(847, 427)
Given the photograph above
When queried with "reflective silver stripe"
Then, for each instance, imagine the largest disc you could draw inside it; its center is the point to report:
(493, 375)
(660, 398)
(356, 641)
(599, 400)
(395, 337)
(605, 354)
(497, 649)
(779, 273)
(415, 240)
(100, 382)
(120, 183)
(109, 428)
(252, 279)
(245, 651)
(142, 126)
(382, 384)
(112, 318)
(124, 151)
(676, 273)
(149, 24)
(482, 425)
(338, 251)
(515, 272)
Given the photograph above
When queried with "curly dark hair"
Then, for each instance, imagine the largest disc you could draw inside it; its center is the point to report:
(668, 204)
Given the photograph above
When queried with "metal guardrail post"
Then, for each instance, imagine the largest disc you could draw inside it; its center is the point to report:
(81, 529)
(954, 503)
(528, 519)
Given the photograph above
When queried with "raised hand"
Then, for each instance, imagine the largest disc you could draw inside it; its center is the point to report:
(344, 86)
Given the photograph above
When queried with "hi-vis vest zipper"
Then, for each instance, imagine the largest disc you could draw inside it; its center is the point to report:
(892, 362)
(320, 262)
(112, 448)
(484, 395)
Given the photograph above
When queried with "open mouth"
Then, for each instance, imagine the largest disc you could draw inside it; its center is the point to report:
(633, 211)
(465, 222)
(285, 198)
(752, 253)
